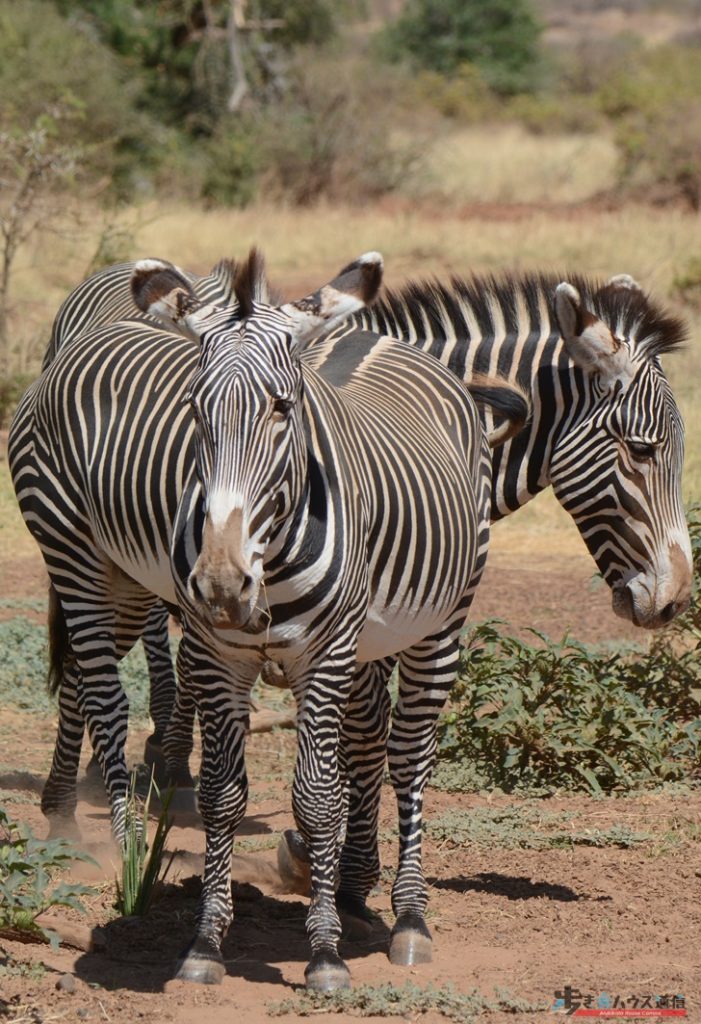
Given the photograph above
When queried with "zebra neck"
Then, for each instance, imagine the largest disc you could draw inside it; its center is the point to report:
(533, 357)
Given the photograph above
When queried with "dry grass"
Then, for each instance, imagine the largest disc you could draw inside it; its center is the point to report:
(506, 164)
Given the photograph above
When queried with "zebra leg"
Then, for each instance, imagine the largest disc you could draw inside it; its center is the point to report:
(222, 695)
(177, 747)
(59, 795)
(319, 804)
(364, 744)
(426, 674)
(162, 687)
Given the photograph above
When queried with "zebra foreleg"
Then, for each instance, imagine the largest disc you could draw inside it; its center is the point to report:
(319, 805)
(364, 744)
(223, 707)
(426, 674)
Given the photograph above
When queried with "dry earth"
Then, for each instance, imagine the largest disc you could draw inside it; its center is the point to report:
(624, 921)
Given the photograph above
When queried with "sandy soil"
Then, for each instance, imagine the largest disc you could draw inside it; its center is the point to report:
(623, 921)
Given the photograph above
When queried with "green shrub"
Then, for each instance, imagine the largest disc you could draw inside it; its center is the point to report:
(28, 869)
(500, 38)
(656, 108)
(231, 161)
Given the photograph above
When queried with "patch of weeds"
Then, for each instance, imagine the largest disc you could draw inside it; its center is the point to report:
(28, 868)
(24, 604)
(679, 833)
(253, 844)
(391, 1000)
(11, 968)
(525, 828)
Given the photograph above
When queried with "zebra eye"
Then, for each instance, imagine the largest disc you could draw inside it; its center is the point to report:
(641, 449)
(282, 407)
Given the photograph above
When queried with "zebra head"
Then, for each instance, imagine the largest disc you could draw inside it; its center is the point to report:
(247, 398)
(618, 468)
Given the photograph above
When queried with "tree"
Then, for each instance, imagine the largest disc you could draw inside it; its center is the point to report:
(499, 37)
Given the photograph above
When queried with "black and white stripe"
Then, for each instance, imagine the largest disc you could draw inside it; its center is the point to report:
(336, 517)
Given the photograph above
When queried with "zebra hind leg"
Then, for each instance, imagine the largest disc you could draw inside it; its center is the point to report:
(59, 796)
(156, 643)
(426, 675)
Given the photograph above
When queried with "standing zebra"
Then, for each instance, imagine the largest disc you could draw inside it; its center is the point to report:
(334, 517)
(105, 298)
(605, 432)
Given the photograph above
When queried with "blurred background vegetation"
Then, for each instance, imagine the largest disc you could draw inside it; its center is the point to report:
(177, 126)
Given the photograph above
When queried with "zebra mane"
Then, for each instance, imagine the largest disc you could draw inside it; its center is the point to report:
(441, 308)
(244, 283)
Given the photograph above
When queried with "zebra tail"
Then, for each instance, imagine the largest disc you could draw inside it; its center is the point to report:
(59, 644)
(507, 400)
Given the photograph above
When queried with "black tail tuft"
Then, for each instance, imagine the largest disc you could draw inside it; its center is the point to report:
(59, 643)
(508, 400)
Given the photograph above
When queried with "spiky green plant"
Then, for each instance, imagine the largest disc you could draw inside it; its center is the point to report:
(142, 867)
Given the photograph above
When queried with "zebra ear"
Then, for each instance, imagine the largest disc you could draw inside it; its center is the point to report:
(589, 342)
(625, 282)
(162, 290)
(352, 289)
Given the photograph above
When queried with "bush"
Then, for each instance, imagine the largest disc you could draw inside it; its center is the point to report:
(321, 140)
(500, 38)
(562, 715)
(231, 165)
(656, 106)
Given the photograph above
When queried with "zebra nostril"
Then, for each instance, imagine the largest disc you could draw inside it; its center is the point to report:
(669, 611)
(195, 588)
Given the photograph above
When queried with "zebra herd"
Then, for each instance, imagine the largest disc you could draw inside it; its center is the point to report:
(311, 485)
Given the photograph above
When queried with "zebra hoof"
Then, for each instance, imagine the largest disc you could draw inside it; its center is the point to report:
(326, 972)
(410, 942)
(64, 826)
(357, 923)
(293, 863)
(201, 963)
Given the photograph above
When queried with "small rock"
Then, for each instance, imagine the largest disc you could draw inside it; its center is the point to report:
(66, 983)
(83, 1013)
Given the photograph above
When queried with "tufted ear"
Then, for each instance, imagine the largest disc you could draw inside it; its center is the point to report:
(352, 289)
(589, 342)
(162, 290)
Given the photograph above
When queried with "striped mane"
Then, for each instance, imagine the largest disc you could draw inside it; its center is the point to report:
(441, 308)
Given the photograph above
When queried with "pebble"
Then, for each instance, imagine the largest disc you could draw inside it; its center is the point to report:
(83, 1013)
(66, 983)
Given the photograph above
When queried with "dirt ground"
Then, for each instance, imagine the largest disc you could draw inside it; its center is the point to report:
(625, 921)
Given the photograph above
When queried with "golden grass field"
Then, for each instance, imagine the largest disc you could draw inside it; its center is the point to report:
(501, 200)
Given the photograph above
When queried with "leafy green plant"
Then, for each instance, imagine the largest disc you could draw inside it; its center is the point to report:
(565, 716)
(28, 886)
(142, 868)
(401, 1001)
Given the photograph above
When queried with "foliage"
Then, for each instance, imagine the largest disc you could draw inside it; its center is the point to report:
(656, 106)
(319, 142)
(500, 38)
(142, 868)
(407, 1001)
(565, 716)
(28, 867)
(232, 164)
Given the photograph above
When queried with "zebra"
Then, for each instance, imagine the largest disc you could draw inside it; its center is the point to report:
(605, 432)
(334, 517)
(105, 298)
